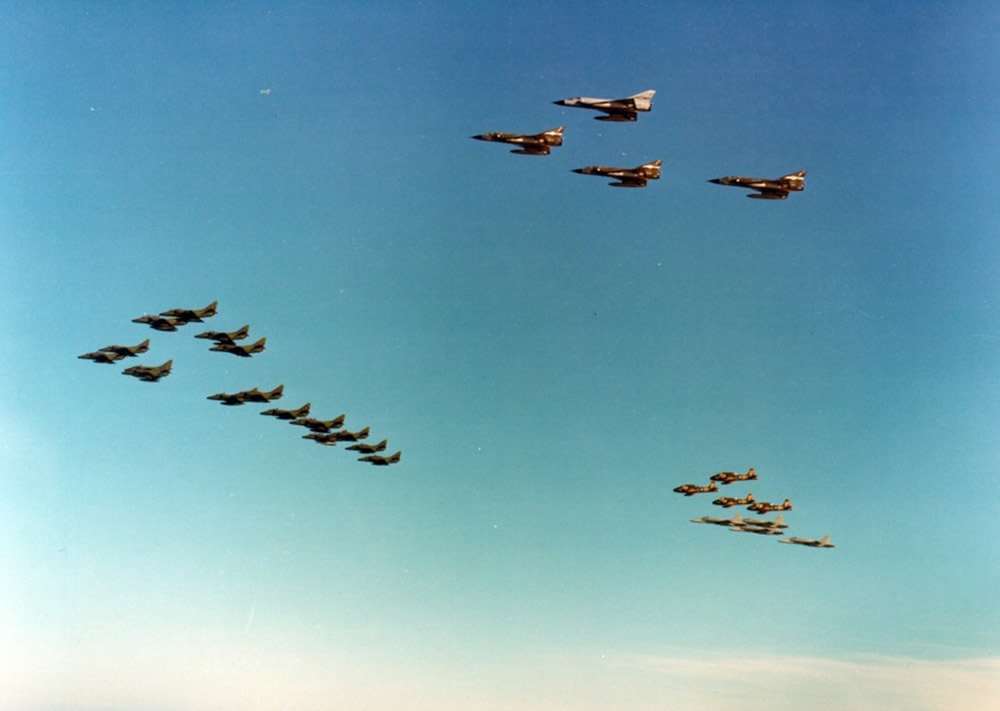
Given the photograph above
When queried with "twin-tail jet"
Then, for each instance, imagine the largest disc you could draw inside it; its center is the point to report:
(625, 177)
(321, 426)
(538, 144)
(824, 542)
(160, 323)
(727, 502)
(736, 520)
(766, 188)
(626, 109)
(149, 374)
(288, 414)
(380, 461)
(238, 349)
(692, 489)
(369, 448)
(766, 506)
(223, 337)
(189, 315)
(730, 477)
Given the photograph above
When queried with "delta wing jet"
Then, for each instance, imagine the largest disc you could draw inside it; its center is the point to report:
(160, 323)
(764, 507)
(730, 477)
(227, 398)
(255, 395)
(150, 374)
(128, 351)
(692, 489)
(189, 315)
(626, 109)
(824, 542)
(736, 520)
(380, 461)
(288, 414)
(539, 144)
(727, 502)
(102, 356)
(625, 177)
(369, 448)
(766, 188)
(222, 337)
(239, 349)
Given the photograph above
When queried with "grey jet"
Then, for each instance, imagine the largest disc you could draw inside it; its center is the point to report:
(625, 177)
(766, 188)
(626, 109)
(538, 144)
(824, 542)
(736, 520)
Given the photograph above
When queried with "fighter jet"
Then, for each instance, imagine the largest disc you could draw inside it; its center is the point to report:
(625, 177)
(767, 189)
(380, 461)
(328, 439)
(539, 144)
(228, 398)
(102, 356)
(348, 436)
(626, 109)
(692, 489)
(150, 374)
(369, 448)
(239, 349)
(319, 425)
(730, 477)
(160, 323)
(189, 315)
(255, 395)
(765, 506)
(778, 522)
(727, 502)
(736, 520)
(128, 351)
(223, 337)
(759, 530)
(824, 542)
(288, 414)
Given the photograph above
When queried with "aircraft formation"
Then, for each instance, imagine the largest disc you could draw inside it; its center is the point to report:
(325, 432)
(738, 524)
(627, 110)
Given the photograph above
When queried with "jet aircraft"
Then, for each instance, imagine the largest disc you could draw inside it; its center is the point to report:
(625, 177)
(692, 489)
(824, 542)
(150, 374)
(759, 530)
(626, 109)
(288, 414)
(730, 477)
(319, 425)
(160, 323)
(227, 398)
(736, 520)
(222, 337)
(348, 436)
(765, 506)
(380, 461)
(239, 349)
(778, 522)
(328, 439)
(369, 448)
(538, 144)
(766, 188)
(727, 502)
(255, 395)
(189, 315)
(102, 356)
(128, 351)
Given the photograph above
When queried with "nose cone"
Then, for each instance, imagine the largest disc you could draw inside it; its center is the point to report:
(582, 171)
(717, 181)
(561, 102)
(479, 136)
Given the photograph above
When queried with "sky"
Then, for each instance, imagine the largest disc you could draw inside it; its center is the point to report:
(551, 356)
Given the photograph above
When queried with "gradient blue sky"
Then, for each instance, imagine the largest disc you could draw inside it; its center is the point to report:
(551, 355)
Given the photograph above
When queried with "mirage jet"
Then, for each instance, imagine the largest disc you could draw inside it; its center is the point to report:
(727, 502)
(369, 448)
(102, 356)
(767, 189)
(380, 461)
(730, 477)
(766, 506)
(692, 489)
(626, 109)
(189, 315)
(625, 177)
(222, 337)
(824, 542)
(288, 414)
(255, 395)
(319, 425)
(736, 520)
(539, 144)
(160, 323)
(150, 374)
(238, 349)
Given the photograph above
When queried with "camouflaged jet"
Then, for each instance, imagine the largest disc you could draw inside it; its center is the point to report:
(189, 315)
(727, 502)
(692, 489)
(767, 189)
(539, 144)
(730, 477)
(348, 436)
(255, 395)
(128, 351)
(160, 323)
(328, 439)
(736, 520)
(238, 349)
(625, 177)
(227, 398)
(288, 414)
(150, 374)
(824, 542)
(369, 448)
(102, 356)
(766, 506)
(319, 425)
(222, 337)
(380, 461)
(626, 109)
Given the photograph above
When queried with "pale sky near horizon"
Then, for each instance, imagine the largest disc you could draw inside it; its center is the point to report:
(552, 356)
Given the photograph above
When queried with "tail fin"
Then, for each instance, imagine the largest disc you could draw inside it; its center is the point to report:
(399, 454)
(779, 521)
(304, 410)
(648, 94)
(362, 433)
(736, 520)
(825, 540)
(211, 307)
(168, 365)
(144, 344)
(381, 445)
(259, 345)
(277, 391)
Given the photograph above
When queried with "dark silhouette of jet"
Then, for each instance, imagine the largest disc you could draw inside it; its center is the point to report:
(348, 436)
(255, 395)
(160, 323)
(222, 337)
(327, 439)
(380, 461)
(238, 349)
(625, 177)
(319, 425)
(538, 144)
(727, 502)
(766, 188)
(189, 315)
(102, 356)
(692, 489)
(287, 414)
(369, 448)
(128, 351)
(150, 374)
(227, 398)
(730, 477)
(626, 109)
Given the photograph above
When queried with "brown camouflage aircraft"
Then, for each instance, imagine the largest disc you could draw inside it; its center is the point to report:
(348, 436)
(288, 414)
(189, 315)
(227, 398)
(222, 337)
(102, 356)
(238, 349)
(625, 177)
(369, 448)
(128, 351)
(692, 489)
(727, 502)
(380, 461)
(766, 188)
(328, 439)
(319, 425)
(255, 395)
(730, 477)
(150, 374)
(538, 144)
(160, 323)
(766, 506)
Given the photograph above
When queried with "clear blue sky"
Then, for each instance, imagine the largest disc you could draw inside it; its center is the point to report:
(552, 356)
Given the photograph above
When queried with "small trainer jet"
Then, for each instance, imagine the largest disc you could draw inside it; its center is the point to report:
(128, 351)
(369, 448)
(727, 502)
(227, 398)
(288, 414)
(102, 356)
(625, 177)
(538, 144)
(626, 109)
(766, 506)
(189, 315)
(766, 188)
(226, 338)
(824, 542)
(692, 489)
(319, 425)
(150, 374)
(380, 461)
(160, 323)
(730, 477)
(238, 349)
(736, 520)
(255, 395)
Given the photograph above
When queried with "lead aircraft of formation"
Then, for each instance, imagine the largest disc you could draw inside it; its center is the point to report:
(626, 109)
